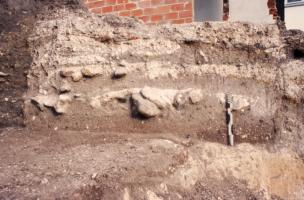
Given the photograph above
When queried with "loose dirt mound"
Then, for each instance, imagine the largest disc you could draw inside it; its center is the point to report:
(86, 165)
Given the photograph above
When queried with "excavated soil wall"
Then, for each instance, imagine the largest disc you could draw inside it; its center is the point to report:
(117, 74)
(116, 109)
(89, 72)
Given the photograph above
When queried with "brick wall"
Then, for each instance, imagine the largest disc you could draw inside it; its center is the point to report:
(150, 11)
(225, 10)
(272, 8)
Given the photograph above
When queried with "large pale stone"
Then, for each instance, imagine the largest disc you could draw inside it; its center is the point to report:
(162, 98)
(120, 72)
(65, 86)
(195, 96)
(152, 196)
(45, 100)
(63, 103)
(239, 101)
(145, 107)
(91, 71)
(3, 74)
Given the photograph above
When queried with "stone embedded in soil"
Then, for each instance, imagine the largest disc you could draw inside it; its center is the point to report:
(123, 63)
(91, 71)
(179, 100)
(63, 103)
(66, 72)
(240, 102)
(65, 86)
(74, 73)
(45, 100)
(2, 74)
(162, 98)
(195, 96)
(95, 102)
(120, 94)
(77, 76)
(59, 103)
(145, 107)
(152, 196)
(120, 72)
(126, 194)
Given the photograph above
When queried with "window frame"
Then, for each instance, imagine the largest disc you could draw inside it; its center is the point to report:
(291, 4)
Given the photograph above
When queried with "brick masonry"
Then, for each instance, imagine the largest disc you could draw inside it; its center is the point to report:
(150, 11)
(159, 11)
(273, 8)
(225, 10)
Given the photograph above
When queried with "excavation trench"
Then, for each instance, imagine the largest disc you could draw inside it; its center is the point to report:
(99, 75)
(115, 108)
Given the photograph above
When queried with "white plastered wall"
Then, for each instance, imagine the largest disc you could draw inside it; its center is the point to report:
(256, 11)
(294, 17)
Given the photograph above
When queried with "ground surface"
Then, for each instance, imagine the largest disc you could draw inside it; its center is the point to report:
(84, 165)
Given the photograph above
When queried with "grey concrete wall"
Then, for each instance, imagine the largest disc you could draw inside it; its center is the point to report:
(208, 10)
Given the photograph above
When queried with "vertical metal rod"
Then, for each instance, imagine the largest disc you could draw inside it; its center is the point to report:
(229, 101)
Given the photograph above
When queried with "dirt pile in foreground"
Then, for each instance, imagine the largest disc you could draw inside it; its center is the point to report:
(163, 89)
(87, 165)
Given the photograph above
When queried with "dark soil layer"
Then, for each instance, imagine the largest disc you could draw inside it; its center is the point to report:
(17, 18)
(15, 60)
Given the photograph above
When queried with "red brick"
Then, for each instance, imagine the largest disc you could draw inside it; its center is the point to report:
(144, 4)
(122, 1)
(188, 6)
(107, 9)
(185, 14)
(119, 7)
(110, 2)
(171, 16)
(177, 7)
(137, 12)
(156, 2)
(144, 18)
(125, 14)
(96, 10)
(95, 4)
(130, 6)
(155, 18)
(148, 11)
(188, 20)
(162, 9)
(178, 21)
(170, 1)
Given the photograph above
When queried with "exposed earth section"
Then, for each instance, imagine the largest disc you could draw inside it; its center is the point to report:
(112, 108)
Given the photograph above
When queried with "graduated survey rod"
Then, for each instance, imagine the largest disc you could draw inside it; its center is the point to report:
(229, 105)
